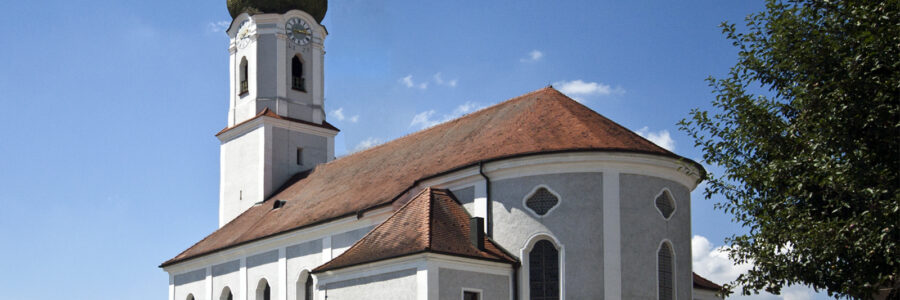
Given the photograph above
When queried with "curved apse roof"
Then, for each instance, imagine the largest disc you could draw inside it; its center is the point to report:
(542, 121)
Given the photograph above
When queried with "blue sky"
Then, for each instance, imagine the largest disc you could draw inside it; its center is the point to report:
(108, 160)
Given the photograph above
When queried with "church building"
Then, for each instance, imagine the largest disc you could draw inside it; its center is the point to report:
(537, 197)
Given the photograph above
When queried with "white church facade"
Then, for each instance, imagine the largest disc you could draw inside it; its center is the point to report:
(537, 197)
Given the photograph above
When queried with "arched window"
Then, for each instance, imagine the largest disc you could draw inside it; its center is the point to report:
(226, 294)
(308, 287)
(664, 268)
(297, 80)
(305, 286)
(244, 70)
(543, 271)
(190, 297)
(263, 291)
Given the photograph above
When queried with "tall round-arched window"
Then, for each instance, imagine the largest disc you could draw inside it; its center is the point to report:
(244, 71)
(297, 80)
(263, 291)
(226, 294)
(190, 297)
(543, 271)
(305, 286)
(664, 268)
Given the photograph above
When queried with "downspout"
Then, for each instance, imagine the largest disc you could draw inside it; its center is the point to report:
(488, 219)
(515, 281)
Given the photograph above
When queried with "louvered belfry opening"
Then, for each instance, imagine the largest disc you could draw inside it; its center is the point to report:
(542, 201)
(543, 271)
(664, 267)
(665, 204)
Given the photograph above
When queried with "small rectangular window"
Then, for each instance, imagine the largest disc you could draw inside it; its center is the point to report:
(471, 295)
(299, 156)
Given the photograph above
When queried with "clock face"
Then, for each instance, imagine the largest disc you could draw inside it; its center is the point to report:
(298, 31)
(244, 32)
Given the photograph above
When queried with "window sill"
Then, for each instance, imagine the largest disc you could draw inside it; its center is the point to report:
(243, 94)
(299, 90)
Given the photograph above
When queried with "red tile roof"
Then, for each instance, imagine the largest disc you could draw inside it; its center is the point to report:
(433, 221)
(543, 121)
(705, 284)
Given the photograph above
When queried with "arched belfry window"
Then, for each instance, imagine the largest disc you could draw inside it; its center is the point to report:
(665, 204)
(226, 294)
(297, 80)
(244, 71)
(263, 290)
(190, 297)
(665, 269)
(541, 200)
(543, 271)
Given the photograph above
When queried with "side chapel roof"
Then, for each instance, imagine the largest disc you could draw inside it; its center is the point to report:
(433, 221)
(543, 121)
(705, 284)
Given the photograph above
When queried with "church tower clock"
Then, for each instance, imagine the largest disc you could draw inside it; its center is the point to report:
(276, 117)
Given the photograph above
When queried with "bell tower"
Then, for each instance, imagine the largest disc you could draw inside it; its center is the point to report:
(276, 117)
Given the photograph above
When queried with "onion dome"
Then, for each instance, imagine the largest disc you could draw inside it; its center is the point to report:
(316, 8)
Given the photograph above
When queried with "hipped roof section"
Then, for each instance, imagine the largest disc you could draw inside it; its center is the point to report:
(433, 222)
(543, 121)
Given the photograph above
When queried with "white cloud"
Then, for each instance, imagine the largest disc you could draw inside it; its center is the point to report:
(427, 119)
(339, 115)
(713, 263)
(440, 80)
(367, 143)
(578, 89)
(533, 56)
(218, 27)
(408, 82)
(661, 138)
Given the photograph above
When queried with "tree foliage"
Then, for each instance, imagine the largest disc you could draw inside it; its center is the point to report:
(806, 130)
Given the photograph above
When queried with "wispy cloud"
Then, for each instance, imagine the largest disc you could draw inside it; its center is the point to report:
(409, 83)
(713, 263)
(661, 138)
(218, 27)
(578, 89)
(533, 56)
(438, 78)
(339, 115)
(367, 143)
(429, 118)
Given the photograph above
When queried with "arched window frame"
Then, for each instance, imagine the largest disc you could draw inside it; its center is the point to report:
(533, 191)
(524, 252)
(674, 267)
(665, 191)
(303, 279)
(226, 294)
(302, 83)
(243, 77)
(261, 287)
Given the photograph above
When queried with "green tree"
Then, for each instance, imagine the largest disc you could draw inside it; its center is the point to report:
(806, 130)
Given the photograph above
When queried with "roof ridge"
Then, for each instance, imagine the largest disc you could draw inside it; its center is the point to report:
(614, 123)
(393, 215)
(456, 120)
